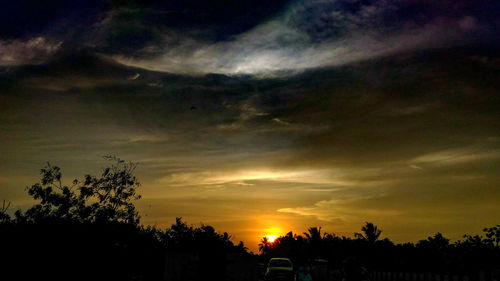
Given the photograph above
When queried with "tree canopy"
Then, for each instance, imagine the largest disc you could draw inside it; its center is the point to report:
(103, 198)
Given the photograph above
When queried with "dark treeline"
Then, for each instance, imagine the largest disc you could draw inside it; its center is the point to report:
(91, 230)
(434, 254)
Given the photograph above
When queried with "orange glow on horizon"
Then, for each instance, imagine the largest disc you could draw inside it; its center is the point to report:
(272, 233)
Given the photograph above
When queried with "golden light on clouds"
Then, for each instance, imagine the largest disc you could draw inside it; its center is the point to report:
(244, 176)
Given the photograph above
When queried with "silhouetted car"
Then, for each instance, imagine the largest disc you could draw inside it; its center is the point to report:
(280, 269)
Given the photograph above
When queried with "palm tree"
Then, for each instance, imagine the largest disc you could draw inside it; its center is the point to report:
(313, 234)
(371, 233)
(264, 245)
(314, 240)
(242, 246)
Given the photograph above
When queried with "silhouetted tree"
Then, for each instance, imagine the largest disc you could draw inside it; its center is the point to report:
(103, 198)
(434, 254)
(329, 236)
(86, 230)
(493, 234)
(313, 236)
(476, 241)
(371, 233)
(208, 245)
(181, 236)
(4, 217)
(313, 233)
(241, 246)
(438, 242)
(264, 245)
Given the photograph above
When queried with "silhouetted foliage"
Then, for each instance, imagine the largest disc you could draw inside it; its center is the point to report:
(493, 234)
(264, 245)
(86, 230)
(103, 198)
(437, 242)
(434, 254)
(181, 236)
(371, 233)
(209, 246)
(4, 217)
(90, 230)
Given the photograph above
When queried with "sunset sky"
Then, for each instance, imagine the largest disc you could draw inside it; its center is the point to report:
(261, 117)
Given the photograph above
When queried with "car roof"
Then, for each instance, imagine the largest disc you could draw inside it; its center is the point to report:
(286, 259)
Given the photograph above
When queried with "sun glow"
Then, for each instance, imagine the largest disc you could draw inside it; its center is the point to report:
(271, 238)
(272, 233)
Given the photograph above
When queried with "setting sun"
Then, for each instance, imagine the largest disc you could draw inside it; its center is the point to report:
(271, 238)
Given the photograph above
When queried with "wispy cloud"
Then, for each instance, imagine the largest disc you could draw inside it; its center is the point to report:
(340, 211)
(282, 46)
(246, 176)
(456, 156)
(32, 51)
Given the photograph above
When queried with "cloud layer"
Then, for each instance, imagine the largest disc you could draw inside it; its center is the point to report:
(313, 34)
(256, 37)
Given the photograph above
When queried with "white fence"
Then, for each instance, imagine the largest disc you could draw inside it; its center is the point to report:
(409, 276)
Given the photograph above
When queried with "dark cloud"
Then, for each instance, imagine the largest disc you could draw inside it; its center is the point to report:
(253, 37)
(126, 27)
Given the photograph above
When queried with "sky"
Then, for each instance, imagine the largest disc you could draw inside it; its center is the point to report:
(261, 117)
